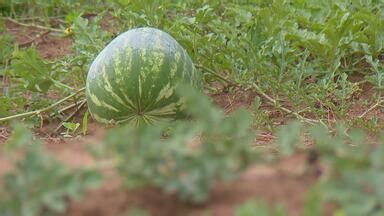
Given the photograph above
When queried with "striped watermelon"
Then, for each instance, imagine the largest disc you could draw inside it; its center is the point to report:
(133, 79)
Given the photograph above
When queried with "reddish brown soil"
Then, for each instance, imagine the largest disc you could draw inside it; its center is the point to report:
(273, 183)
(48, 46)
(358, 107)
(232, 101)
(285, 182)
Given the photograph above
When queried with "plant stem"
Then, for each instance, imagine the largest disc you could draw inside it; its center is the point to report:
(71, 115)
(60, 84)
(37, 112)
(261, 92)
(68, 107)
(217, 75)
(27, 43)
(377, 104)
(34, 25)
(277, 105)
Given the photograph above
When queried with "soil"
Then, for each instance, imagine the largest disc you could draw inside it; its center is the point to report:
(234, 100)
(286, 181)
(272, 183)
(48, 46)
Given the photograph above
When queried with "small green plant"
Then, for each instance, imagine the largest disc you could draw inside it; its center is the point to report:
(311, 207)
(355, 168)
(89, 40)
(35, 73)
(259, 208)
(71, 128)
(38, 184)
(136, 212)
(191, 157)
(304, 58)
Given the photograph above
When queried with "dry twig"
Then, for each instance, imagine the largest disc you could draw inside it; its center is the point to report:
(37, 112)
(34, 26)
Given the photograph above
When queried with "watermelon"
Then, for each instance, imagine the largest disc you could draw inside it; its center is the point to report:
(133, 79)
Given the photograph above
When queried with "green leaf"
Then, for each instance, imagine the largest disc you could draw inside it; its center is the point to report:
(85, 123)
(39, 184)
(6, 48)
(195, 153)
(251, 208)
(288, 137)
(137, 212)
(313, 202)
(71, 126)
(34, 72)
(20, 137)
